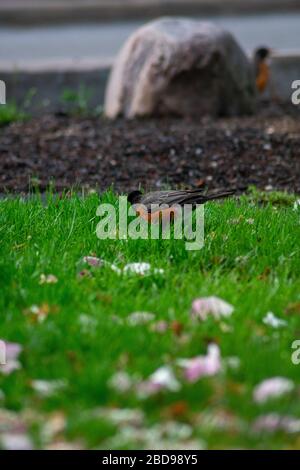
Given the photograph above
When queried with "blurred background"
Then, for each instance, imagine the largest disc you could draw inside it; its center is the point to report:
(34, 30)
(67, 43)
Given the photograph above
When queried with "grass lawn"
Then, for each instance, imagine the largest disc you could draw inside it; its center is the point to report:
(83, 363)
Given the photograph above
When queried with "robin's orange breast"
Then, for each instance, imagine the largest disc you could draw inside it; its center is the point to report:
(157, 216)
(263, 76)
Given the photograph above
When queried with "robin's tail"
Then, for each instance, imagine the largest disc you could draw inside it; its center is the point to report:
(200, 198)
(220, 195)
(203, 198)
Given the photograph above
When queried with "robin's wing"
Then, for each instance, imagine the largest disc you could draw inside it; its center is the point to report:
(169, 197)
(192, 196)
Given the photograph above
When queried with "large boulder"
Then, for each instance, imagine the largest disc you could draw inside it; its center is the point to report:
(178, 66)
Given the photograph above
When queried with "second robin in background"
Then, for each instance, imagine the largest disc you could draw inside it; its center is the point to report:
(262, 68)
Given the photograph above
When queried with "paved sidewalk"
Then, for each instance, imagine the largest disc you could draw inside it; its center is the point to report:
(30, 12)
(22, 46)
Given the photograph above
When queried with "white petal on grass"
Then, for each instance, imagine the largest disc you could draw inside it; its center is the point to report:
(271, 320)
(93, 261)
(160, 327)
(176, 430)
(296, 205)
(98, 262)
(158, 271)
(274, 422)
(48, 279)
(232, 362)
(274, 387)
(158, 437)
(165, 378)
(115, 268)
(162, 379)
(140, 318)
(10, 367)
(46, 388)
(15, 441)
(121, 382)
(221, 420)
(205, 306)
(202, 366)
(137, 268)
(141, 269)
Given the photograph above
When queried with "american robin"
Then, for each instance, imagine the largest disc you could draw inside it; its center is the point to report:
(262, 70)
(143, 202)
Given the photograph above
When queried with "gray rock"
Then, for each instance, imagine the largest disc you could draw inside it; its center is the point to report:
(178, 66)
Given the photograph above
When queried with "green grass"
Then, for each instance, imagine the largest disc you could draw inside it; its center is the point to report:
(77, 102)
(10, 113)
(254, 266)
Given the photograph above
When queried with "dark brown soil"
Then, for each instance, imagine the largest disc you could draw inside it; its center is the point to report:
(262, 150)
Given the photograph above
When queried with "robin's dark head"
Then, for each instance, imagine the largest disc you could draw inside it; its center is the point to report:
(134, 197)
(262, 53)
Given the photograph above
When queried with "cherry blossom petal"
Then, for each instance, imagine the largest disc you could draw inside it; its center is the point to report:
(98, 262)
(93, 261)
(296, 205)
(48, 279)
(205, 306)
(202, 366)
(274, 387)
(160, 327)
(274, 422)
(121, 382)
(15, 441)
(141, 269)
(13, 350)
(162, 379)
(46, 388)
(10, 352)
(140, 318)
(271, 320)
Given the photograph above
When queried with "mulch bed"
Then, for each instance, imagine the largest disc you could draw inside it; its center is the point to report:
(261, 150)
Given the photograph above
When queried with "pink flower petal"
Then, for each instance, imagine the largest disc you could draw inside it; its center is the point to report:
(9, 357)
(202, 366)
(274, 387)
(93, 261)
(13, 350)
(16, 441)
(121, 382)
(273, 422)
(205, 306)
(160, 327)
(10, 367)
(162, 379)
